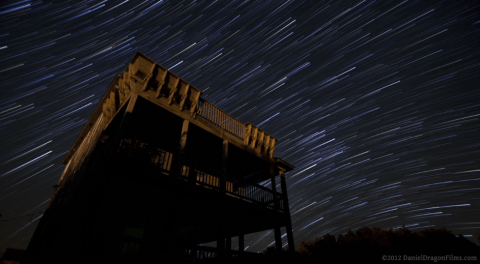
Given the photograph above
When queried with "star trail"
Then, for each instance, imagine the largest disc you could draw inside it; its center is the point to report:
(376, 103)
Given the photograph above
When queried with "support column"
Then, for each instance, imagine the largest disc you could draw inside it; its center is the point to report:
(221, 231)
(286, 205)
(181, 153)
(183, 137)
(278, 236)
(172, 224)
(224, 167)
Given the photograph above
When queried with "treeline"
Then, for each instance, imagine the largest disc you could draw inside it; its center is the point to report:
(378, 245)
(364, 245)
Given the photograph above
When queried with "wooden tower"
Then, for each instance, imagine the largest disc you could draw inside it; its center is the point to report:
(158, 170)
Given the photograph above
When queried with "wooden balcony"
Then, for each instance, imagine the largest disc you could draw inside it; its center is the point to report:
(221, 119)
(182, 167)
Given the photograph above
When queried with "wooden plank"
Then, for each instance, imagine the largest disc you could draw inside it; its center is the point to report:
(161, 83)
(254, 138)
(271, 148)
(291, 246)
(149, 76)
(173, 91)
(184, 97)
(194, 107)
(261, 135)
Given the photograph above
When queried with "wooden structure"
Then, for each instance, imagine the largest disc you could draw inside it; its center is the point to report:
(158, 170)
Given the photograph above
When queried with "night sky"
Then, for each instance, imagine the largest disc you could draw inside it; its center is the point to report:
(376, 103)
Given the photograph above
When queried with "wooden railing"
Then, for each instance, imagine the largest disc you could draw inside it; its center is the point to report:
(221, 119)
(153, 158)
(210, 177)
(201, 252)
(135, 151)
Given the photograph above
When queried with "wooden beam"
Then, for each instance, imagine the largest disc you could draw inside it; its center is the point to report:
(266, 144)
(131, 103)
(184, 97)
(161, 83)
(271, 148)
(247, 134)
(224, 166)
(194, 107)
(149, 76)
(259, 146)
(254, 138)
(286, 208)
(173, 91)
(183, 136)
(278, 235)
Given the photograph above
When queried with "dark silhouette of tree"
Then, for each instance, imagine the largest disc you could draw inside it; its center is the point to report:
(366, 244)
(12, 255)
(372, 244)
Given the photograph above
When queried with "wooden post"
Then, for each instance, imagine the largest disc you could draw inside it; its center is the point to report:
(224, 167)
(183, 137)
(221, 239)
(174, 226)
(181, 146)
(291, 247)
(278, 236)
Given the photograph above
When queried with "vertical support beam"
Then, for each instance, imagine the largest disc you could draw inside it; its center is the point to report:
(181, 153)
(173, 225)
(286, 205)
(221, 238)
(224, 167)
(278, 236)
(183, 137)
